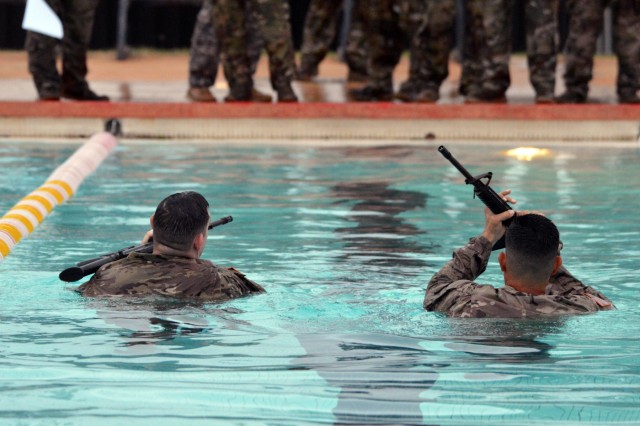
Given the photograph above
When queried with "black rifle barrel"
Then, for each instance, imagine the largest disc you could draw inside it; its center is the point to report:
(482, 190)
(446, 154)
(88, 267)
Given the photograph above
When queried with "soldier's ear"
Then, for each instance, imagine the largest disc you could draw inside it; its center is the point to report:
(151, 220)
(502, 260)
(198, 243)
(557, 263)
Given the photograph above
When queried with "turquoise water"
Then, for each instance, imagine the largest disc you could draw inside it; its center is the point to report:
(345, 240)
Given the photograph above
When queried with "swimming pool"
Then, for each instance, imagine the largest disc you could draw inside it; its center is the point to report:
(345, 240)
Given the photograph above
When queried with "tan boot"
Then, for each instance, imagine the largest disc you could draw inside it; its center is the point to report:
(200, 94)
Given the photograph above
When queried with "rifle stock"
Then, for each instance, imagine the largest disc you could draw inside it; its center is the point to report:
(90, 266)
(482, 190)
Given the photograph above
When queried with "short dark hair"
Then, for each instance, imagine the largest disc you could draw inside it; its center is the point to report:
(532, 243)
(179, 218)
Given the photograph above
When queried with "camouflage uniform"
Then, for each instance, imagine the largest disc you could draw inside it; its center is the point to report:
(230, 19)
(77, 20)
(452, 291)
(319, 32)
(390, 26)
(204, 53)
(142, 274)
(488, 46)
(434, 40)
(585, 25)
(541, 20)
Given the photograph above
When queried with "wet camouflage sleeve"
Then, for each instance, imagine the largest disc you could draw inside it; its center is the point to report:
(453, 291)
(148, 274)
(566, 284)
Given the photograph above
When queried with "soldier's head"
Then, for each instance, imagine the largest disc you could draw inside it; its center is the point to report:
(532, 254)
(181, 221)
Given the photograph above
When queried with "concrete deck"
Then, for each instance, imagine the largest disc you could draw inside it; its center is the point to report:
(148, 94)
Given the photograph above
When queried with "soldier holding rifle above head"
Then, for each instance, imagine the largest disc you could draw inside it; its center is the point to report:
(179, 232)
(536, 283)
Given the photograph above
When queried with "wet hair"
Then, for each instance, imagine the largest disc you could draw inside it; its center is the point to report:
(532, 243)
(179, 218)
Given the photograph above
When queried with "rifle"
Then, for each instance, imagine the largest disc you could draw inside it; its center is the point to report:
(90, 266)
(482, 190)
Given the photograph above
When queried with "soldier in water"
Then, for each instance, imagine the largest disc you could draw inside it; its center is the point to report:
(536, 283)
(174, 269)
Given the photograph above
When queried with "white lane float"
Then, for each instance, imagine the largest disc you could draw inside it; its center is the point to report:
(29, 212)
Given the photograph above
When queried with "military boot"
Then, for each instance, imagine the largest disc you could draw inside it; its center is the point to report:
(305, 72)
(83, 94)
(370, 94)
(286, 94)
(628, 97)
(200, 94)
(572, 97)
(246, 94)
(356, 76)
(480, 96)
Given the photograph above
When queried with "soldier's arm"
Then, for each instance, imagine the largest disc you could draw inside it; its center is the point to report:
(456, 277)
(564, 283)
(245, 283)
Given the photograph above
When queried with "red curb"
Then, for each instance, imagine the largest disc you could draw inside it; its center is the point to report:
(382, 110)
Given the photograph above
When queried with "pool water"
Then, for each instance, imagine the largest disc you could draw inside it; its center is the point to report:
(344, 239)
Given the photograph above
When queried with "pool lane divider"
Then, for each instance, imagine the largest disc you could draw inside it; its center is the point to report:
(62, 184)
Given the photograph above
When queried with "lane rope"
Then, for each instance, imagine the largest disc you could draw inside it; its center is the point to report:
(62, 184)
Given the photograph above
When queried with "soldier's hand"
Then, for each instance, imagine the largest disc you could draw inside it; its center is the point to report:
(147, 237)
(493, 227)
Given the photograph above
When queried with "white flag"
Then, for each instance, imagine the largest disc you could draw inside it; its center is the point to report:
(39, 17)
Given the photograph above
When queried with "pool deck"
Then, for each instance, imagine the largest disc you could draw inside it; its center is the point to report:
(148, 94)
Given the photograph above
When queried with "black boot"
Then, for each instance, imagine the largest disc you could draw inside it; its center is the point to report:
(370, 94)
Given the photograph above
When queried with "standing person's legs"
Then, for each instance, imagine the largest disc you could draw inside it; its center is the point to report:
(273, 20)
(42, 65)
(495, 53)
(411, 16)
(41, 50)
(473, 44)
(433, 42)
(542, 32)
(626, 42)
(203, 56)
(585, 25)
(318, 34)
(385, 46)
(229, 19)
(355, 51)
(77, 21)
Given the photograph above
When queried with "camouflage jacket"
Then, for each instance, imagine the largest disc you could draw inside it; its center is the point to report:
(149, 274)
(452, 291)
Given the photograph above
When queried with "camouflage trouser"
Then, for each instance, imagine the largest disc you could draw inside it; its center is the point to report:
(204, 53)
(77, 20)
(541, 17)
(390, 25)
(434, 40)
(585, 25)
(320, 29)
(487, 46)
(230, 18)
